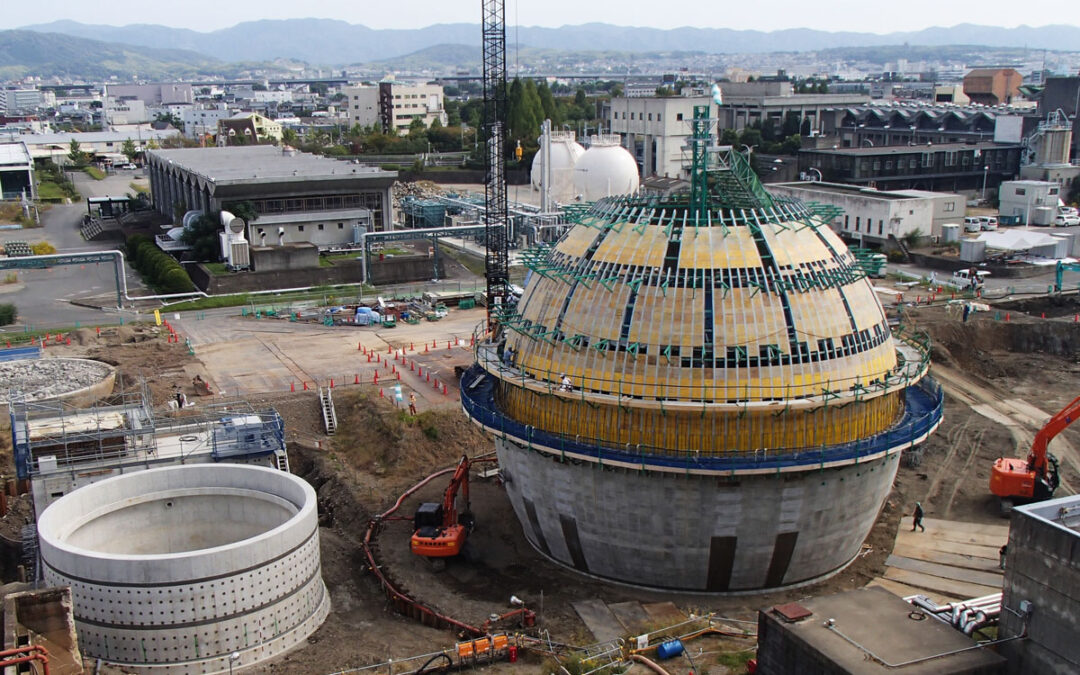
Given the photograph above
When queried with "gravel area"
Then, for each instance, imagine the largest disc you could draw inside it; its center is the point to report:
(45, 378)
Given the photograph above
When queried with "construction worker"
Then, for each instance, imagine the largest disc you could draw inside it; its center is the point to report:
(412, 403)
(918, 516)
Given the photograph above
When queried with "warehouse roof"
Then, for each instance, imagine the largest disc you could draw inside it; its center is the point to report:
(236, 164)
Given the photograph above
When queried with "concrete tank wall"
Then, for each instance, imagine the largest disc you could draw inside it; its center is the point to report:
(718, 534)
(247, 579)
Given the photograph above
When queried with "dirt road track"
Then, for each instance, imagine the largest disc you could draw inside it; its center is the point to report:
(1022, 419)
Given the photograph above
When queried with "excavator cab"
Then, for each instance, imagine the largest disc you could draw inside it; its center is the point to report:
(439, 531)
(1016, 480)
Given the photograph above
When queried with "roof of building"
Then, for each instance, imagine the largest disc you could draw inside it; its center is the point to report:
(14, 154)
(865, 629)
(1063, 512)
(845, 189)
(260, 162)
(910, 149)
(984, 72)
(97, 137)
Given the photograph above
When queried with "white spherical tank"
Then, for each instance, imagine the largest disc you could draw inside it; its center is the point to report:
(604, 170)
(196, 568)
(565, 153)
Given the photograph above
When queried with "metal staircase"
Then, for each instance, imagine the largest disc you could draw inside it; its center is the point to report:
(326, 402)
(735, 183)
(281, 460)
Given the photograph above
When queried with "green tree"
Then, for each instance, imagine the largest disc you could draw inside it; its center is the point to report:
(289, 137)
(547, 102)
(202, 236)
(7, 314)
(791, 125)
(129, 150)
(579, 97)
(75, 153)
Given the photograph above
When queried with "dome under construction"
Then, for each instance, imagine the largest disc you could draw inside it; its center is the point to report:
(700, 392)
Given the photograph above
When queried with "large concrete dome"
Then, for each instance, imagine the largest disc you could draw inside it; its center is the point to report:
(604, 170)
(737, 402)
(565, 153)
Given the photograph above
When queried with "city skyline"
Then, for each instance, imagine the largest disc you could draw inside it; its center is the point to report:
(845, 16)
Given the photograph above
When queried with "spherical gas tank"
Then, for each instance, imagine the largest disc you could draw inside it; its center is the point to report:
(604, 170)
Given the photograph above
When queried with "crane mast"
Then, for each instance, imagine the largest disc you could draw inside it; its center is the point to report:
(496, 259)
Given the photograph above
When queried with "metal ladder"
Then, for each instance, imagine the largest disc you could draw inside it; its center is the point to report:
(326, 401)
(29, 537)
(281, 460)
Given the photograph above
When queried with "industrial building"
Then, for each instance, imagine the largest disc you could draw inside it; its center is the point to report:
(918, 124)
(951, 167)
(1041, 598)
(865, 631)
(747, 103)
(655, 129)
(700, 392)
(298, 197)
(16, 172)
(876, 216)
(1034, 202)
(992, 86)
(394, 105)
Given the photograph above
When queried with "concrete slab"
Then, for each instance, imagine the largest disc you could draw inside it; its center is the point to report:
(902, 590)
(945, 571)
(930, 584)
(664, 613)
(632, 616)
(600, 621)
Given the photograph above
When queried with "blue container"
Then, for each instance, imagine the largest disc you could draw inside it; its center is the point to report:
(667, 650)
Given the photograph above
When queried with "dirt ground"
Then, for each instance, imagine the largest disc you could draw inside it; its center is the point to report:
(994, 371)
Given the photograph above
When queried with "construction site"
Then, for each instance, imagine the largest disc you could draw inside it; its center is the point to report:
(700, 437)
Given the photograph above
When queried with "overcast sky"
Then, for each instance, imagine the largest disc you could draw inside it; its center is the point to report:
(207, 15)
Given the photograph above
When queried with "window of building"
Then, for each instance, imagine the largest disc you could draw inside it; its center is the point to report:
(341, 226)
(320, 226)
(657, 117)
(857, 218)
(650, 117)
(928, 159)
(950, 158)
(880, 227)
(912, 164)
(950, 207)
(847, 222)
(1052, 191)
(632, 115)
(678, 117)
(1020, 192)
(888, 165)
(877, 165)
(299, 228)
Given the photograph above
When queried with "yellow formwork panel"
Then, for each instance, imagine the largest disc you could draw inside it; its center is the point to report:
(577, 241)
(644, 246)
(865, 306)
(708, 433)
(737, 249)
(819, 315)
(789, 249)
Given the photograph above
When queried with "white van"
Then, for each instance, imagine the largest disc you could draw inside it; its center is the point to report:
(988, 223)
(972, 224)
(962, 278)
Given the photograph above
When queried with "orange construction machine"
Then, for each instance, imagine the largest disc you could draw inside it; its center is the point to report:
(1035, 478)
(439, 531)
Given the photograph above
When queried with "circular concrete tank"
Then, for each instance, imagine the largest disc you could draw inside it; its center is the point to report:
(174, 569)
(79, 382)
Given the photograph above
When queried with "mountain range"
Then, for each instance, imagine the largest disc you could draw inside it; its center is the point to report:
(334, 42)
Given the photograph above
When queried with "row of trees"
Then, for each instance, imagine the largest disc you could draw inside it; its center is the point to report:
(158, 268)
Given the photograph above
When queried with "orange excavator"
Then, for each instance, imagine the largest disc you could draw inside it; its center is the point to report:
(1035, 478)
(439, 530)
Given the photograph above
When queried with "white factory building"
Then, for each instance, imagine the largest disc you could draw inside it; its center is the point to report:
(870, 216)
(655, 130)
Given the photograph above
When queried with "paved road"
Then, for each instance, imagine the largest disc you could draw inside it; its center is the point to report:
(43, 297)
